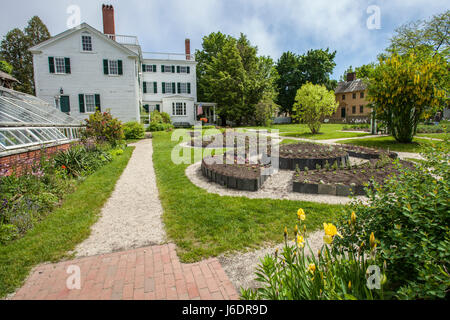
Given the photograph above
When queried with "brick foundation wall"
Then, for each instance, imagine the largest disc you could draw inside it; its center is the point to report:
(22, 161)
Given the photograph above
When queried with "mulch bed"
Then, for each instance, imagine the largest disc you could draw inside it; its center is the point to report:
(220, 141)
(242, 176)
(343, 182)
(366, 153)
(304, 154)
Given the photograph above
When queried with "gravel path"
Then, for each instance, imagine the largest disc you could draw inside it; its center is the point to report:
(277, 186)
(241, 267)
(131, 217)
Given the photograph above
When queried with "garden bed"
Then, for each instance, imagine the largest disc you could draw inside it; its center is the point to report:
(220, 140)
(345, 181)
(367, 153)
(310, 155)
(244, 176)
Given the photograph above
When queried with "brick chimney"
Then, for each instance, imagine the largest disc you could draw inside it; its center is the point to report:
(351, 76)
(108, 19)
(187, 46)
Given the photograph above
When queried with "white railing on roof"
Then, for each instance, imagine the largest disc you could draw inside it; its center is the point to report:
(124, 39)
(168, 56)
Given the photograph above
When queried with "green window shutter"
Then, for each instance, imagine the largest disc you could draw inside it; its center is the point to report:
(51, 64)
(188, 69)
(97, 103)
(120, 67)
(154, 68)
(105, 66)
(189, 87)
(178, 69)
(155, 87)
(162, 68)
(173, 69)
(81, 101)
(144, 85)
(163, 87)
(173, 87)
(143, 67)
(179, 87)
(67, 64)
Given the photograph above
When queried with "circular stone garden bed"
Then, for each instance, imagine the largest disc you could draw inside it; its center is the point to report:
(303, 155)
(345, 181)
(228, 172)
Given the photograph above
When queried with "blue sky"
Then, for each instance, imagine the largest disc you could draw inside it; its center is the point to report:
(274, 26)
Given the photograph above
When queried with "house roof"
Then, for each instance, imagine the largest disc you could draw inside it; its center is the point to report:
(350, 86)
(4, 75)
(68, 32)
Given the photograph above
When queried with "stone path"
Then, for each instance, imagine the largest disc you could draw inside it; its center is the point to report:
(149, 273)
(125, 256)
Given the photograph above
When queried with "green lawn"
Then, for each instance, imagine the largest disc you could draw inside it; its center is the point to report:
(391, 144)
(434, 135)
(63, 229)
(327, 131)
(204, 224)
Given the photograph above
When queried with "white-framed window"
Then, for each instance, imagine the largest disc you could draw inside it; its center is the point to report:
(113, 67)
(86, 42)
(183, 87)
(150, 87)
(168, 86)
(89, 102)
(60, 65)
(183, 69)
(166, 68)
(179, 108)
(149, 68)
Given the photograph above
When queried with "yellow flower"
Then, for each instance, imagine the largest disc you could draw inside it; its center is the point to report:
(372, 240)
(353, 217)
(312, 267)
(301, 214)
(295, 230)
(331, 230)
(285, 231)
(327, 239)
(300, 241)
(350, 285)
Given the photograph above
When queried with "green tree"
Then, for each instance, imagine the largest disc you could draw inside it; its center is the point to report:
(5, 67)
(430, 35)
(405, 89)
(14, 49)
(317, 67)
(362, 72)
(312, 104)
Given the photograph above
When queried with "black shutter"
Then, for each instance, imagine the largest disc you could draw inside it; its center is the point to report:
(67, 64)
(120, 67)
(162, 68)
(173, 69)
(154, 68)
(143, 68)
(179, 87)
(173, 87)
(155, 87)
(188, 69)
(97, 102)
(51, 64)
(178, 69)
(81, 101)
(163, 87)
(105, 66)
(145, 86)
(189, 87)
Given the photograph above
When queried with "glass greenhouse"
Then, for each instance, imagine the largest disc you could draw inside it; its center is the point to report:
(27, 122)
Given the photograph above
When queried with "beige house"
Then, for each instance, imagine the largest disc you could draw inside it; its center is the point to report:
(351, 96)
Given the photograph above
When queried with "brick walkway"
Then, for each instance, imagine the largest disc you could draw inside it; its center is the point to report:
(150, 273)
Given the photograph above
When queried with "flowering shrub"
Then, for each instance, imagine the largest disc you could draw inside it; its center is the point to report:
(409, 215)
(103, 127)
(332, 273)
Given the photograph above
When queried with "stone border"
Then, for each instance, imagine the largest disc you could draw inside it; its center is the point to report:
(292, 163)
(369, 156)
(329, 189)
(233, 182)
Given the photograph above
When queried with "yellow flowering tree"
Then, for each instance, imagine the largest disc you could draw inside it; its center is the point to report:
(405, 89)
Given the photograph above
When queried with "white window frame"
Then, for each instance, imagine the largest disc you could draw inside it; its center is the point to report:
(149, 68)
(185, 69)
(152, 85)
(87, 35)
(183, 88)
(167, 67)
(170, 91)
(110, 67)
(63, 65)
(179, 109)
(86, 102)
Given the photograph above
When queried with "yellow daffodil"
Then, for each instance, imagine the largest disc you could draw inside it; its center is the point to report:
(350, 285)
(295, 230)
(285, 231)
(353, 217)
(312, 267)
(327, 239)
(300, 241)
(372, 240)
(301, 214)
(331, 230)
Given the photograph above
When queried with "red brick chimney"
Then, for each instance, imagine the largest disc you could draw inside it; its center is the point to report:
(108, 19)
(187, 46)
(351, 76)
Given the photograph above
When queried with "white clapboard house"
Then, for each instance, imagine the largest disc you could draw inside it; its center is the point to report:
(82, 69)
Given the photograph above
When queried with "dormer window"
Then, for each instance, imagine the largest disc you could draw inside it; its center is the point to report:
(86, 42)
